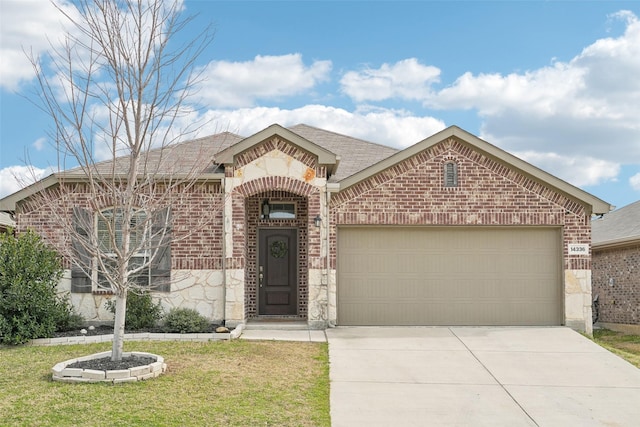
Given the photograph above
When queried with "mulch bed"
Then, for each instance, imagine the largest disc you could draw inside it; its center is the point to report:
(106, 364)
(108, 329)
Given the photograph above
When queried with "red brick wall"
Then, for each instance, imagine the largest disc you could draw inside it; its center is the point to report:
(247, 200)
(616, 280)
(254, 222)
(488, 193)
(196, 220)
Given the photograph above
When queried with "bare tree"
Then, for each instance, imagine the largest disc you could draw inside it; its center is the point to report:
(116, 92)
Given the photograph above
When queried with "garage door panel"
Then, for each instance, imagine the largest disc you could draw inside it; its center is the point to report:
(449, 276)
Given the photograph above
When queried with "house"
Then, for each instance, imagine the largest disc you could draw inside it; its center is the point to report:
(6, 222)
(333, 230)
(616, 267)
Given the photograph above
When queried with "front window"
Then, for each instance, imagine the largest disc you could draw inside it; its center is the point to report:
(110, 239)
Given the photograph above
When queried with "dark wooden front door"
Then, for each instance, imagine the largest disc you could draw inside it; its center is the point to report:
(277, 271)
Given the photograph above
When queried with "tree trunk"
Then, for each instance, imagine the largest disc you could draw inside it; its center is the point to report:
(118, 326)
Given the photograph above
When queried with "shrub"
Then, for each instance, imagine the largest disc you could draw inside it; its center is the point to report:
(69, 319)
(141, 313)
(185, 321)
(29, 275)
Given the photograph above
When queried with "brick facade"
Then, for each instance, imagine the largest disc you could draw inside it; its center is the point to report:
(246, 202)
(196, 222)
(219, 222)
(488, 194)
(616, 281)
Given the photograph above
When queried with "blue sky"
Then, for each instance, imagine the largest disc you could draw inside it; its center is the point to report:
(555, 83)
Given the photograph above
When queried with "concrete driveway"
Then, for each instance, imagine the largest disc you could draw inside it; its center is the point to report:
(435, 376)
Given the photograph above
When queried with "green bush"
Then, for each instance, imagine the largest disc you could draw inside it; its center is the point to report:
(69, 320)
(185, 321)
(29, 275)
(141, 313)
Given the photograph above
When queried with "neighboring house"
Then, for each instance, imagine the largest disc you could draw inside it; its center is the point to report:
(616, 266)
(333, 230)
(6, 222)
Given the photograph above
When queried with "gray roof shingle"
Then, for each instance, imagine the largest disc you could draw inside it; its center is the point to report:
(355, 154)
(621, 224)
(197, 155)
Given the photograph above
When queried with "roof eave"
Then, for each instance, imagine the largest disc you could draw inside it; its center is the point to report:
(616, 243)
(8, 204)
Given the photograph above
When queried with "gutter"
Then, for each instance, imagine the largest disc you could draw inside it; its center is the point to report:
(616, 243)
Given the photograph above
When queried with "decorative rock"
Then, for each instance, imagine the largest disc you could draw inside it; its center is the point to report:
(83, 331)
(91, 328)
(222, 330)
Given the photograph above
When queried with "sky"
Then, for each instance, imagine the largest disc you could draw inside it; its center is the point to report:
(556, 83)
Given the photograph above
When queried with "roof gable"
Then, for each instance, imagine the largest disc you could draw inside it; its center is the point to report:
(355, 154)
(325, 157)
(597, 206)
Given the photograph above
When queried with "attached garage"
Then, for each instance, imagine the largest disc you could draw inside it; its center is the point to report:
(397, 275)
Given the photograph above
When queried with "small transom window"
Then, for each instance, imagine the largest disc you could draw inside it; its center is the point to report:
(278, 210)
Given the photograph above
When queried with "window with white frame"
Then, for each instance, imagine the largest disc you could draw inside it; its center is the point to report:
(110, 238)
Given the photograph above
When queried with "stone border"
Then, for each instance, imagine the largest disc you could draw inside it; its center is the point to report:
(144, 336)
(137, 373)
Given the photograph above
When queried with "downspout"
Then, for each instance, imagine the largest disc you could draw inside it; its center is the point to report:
(224, 251)
(330, 188)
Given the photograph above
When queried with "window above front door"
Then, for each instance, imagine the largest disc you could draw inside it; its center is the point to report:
(278, 210)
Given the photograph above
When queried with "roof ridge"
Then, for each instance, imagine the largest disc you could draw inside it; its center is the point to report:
(291, 128)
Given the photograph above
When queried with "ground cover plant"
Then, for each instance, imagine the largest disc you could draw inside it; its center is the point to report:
(220, 383)
(626, 346)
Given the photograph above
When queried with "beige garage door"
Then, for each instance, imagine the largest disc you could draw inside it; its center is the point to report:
(449, 276)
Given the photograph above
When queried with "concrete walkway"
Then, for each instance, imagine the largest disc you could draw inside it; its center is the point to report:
(284, 335)
(464, 376)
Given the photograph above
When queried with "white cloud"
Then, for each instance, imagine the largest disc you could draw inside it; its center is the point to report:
(241, 84)
(39, 143)
(27, 26)
(634, 181)
(577, 170)
(406, 79)
(389, 127)
(14, 178)
(589, 104)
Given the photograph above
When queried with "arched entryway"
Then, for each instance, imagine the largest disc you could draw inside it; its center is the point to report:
(276, 270)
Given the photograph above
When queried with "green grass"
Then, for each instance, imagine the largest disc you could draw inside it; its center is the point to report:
(223, 383)
(626, 346)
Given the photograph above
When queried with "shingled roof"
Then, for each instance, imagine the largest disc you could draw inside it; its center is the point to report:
(619, 227)
(355, 154)
(349, 160)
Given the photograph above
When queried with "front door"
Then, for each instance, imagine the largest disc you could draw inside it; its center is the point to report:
(277, 271)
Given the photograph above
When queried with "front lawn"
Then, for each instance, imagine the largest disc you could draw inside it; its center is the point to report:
(222, 383)
(624, 345)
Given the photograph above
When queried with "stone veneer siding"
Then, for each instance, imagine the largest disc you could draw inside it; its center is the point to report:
(488, 193)
(279, 171)
(616, 281)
